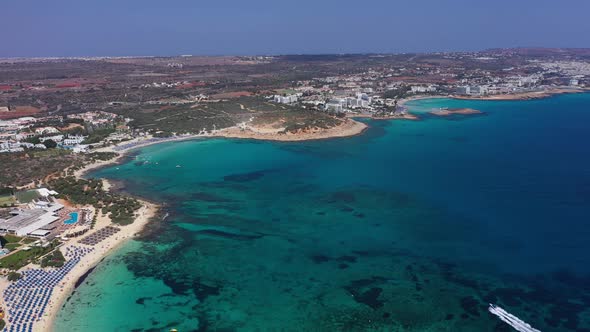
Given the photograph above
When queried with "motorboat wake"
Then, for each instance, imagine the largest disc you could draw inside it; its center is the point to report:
(511, 320)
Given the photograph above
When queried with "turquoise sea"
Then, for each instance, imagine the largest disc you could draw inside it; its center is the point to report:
(411, 226)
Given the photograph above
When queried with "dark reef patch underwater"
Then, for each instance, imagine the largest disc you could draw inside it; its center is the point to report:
(413, 226)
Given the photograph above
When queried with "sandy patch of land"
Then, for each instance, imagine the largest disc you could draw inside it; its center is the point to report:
(106, 185)
(407, 116)
(273, 132)
(71, 126)
(18, 112)
(124, 147)
(451, 111)
(4, 283)
(65, 203)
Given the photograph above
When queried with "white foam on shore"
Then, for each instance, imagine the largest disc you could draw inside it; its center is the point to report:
(511, 320)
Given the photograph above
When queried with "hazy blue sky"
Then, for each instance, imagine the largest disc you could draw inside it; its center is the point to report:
(171, 27)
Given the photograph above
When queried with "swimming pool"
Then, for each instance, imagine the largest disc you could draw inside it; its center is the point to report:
(73, 218)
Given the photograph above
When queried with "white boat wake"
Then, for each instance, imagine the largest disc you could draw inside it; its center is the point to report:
(511, 320)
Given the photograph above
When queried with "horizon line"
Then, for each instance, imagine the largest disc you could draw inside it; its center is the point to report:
(283, 54)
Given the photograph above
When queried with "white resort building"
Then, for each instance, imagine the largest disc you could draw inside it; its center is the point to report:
(35, 221)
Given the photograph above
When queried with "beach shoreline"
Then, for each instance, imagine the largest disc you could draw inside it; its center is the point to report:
(149, 210)
(508, 96)
(407, 116)
(347, 128)
(102, 250)
(524, 95)
(334, 132)
(81, 173)
(406, 100)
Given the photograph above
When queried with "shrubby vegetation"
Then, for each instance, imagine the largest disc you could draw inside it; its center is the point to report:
(98, 135)
(6, 191)
(318, 122)
(50, 144)
(22, 168)
(12, 246)
(53, 259)
(14, 276)
(34, 166)
(9, 239)
(21, 258)
(91, 158)
(94, 156)
(163, 121)
(120, 208)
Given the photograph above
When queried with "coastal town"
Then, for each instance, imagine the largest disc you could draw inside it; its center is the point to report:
(86, 107)
(62, 117)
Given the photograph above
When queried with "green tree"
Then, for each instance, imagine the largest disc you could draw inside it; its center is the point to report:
(33, 140)
(14, 276)
(50, 144)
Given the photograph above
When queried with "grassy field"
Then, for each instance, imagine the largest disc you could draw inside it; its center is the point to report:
(13, 242)
(11, 246)
(7, 200)
(21, 258)
(27, 196)
(28, 240)
(9, 238)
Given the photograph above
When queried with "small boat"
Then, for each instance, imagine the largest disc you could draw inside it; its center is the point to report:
(178, 166)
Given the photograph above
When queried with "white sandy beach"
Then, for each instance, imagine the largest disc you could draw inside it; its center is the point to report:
(101, 250)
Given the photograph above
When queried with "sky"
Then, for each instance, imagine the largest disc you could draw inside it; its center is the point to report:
(40, 28)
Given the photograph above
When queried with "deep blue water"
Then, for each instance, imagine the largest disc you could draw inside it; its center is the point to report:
(412, 226)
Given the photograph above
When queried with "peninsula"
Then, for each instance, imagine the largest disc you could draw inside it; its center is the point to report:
(452, 111)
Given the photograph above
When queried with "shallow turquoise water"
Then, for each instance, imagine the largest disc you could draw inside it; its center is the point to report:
(414, 225)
